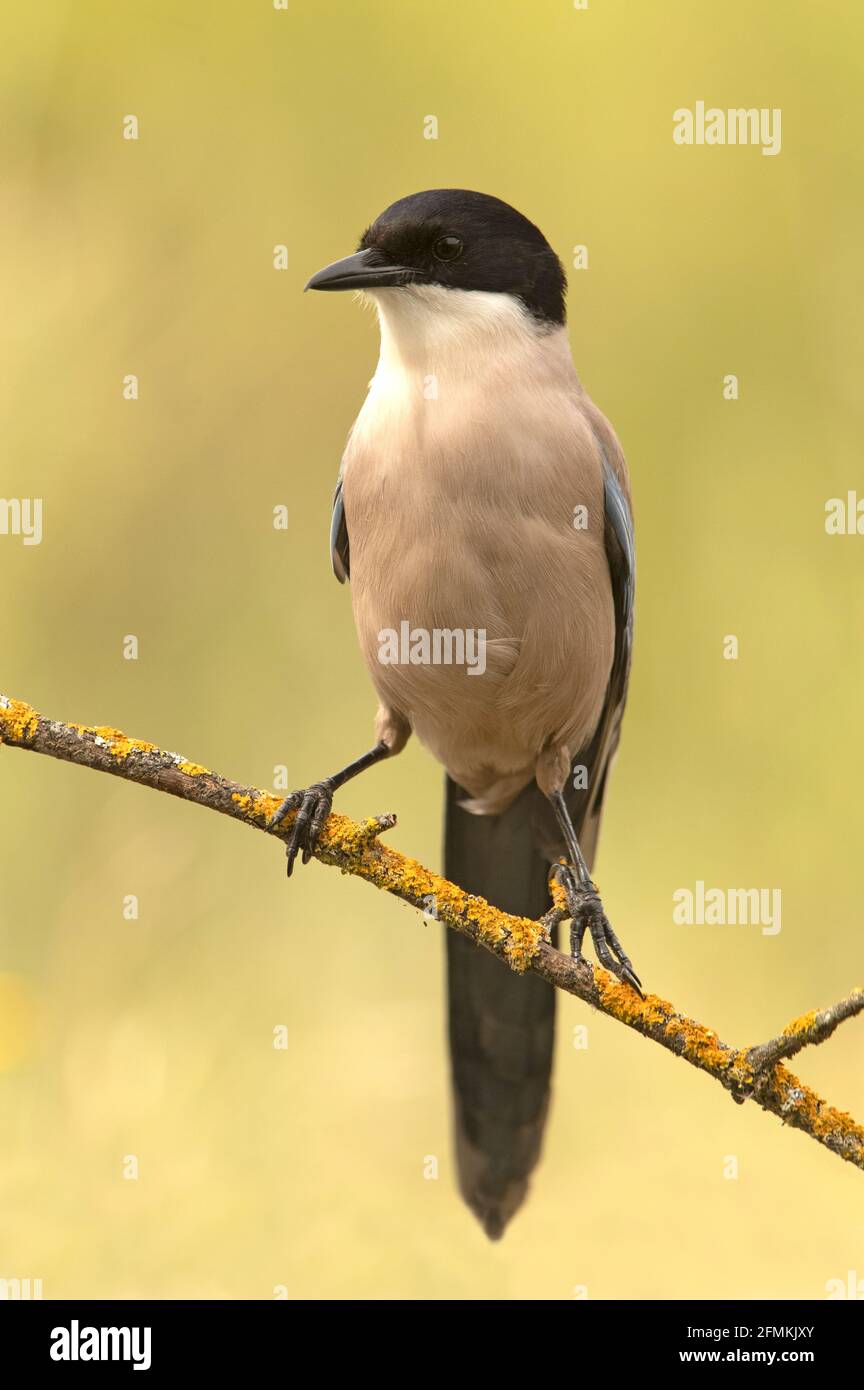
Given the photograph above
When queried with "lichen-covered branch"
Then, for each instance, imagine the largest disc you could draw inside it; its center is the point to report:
(755, 1073)
(812, 1028)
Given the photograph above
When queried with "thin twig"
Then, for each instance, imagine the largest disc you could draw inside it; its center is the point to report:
(810, 1029)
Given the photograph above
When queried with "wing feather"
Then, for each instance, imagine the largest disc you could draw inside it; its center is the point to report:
(340, 553)
(586, 804)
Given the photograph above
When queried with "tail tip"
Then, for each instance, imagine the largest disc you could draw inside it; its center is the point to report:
(494, 1223)
(493, 1196)
(494, 1214)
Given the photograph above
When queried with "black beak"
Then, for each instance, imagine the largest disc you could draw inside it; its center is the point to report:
(363, 271)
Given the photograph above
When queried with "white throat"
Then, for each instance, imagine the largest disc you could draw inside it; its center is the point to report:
(430, 330)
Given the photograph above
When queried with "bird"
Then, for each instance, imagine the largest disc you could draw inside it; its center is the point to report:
(482, 493)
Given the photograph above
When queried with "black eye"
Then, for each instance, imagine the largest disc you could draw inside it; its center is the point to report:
(447, 248)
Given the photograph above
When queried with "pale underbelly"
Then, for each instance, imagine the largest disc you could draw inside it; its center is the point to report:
(493, 647)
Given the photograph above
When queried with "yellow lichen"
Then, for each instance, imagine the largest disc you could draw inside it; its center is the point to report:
(653, 1015)
(802, 1106)
(118, 744)
(558, 893)
(352, 847)
(18, 720)
(800, 1027)
(259, 807)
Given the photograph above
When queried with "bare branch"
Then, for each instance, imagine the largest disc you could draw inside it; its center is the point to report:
(755, 1073)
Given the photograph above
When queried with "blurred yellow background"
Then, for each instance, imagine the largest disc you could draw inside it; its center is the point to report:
(305, 1167)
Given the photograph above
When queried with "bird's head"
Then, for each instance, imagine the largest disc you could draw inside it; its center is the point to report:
(454, 239)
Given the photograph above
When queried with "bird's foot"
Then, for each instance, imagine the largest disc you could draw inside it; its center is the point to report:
(313, 806)
(586, 912)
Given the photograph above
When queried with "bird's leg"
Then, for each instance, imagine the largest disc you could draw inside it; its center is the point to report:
(313, 804)
(585, 906)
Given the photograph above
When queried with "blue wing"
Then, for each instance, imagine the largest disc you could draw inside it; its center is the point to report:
(340, 555)
(621, 555)
(586, 805)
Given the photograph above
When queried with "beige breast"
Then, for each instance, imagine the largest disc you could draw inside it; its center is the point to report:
(463, 477)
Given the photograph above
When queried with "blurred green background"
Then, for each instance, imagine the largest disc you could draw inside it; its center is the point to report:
(305, 1167)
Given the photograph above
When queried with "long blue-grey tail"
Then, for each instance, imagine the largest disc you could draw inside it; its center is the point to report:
(502, 1025)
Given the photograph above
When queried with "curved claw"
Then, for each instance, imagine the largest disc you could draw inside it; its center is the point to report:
(587, 913)
(313, 807)
(627, 973)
